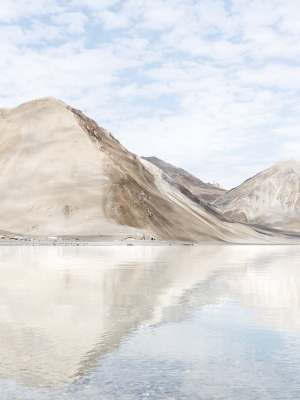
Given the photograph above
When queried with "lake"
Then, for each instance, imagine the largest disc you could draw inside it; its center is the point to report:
(174, 322)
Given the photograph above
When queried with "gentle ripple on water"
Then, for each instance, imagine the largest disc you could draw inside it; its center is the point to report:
(202, 322)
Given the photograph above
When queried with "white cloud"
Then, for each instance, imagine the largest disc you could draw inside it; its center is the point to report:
(112, 20)
(291, 150)
(13, 10)
(74, 22)
(94, 4)
(212, 86)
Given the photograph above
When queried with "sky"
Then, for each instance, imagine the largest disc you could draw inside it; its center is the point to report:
(210, 86)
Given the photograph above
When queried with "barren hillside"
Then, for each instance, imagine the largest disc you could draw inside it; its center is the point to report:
(61, 174)
(270, 198)
(204, 191)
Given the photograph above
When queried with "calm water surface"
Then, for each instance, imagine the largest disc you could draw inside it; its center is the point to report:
(205, 322)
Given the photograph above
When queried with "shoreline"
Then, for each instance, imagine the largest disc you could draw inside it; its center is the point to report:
(124, 243)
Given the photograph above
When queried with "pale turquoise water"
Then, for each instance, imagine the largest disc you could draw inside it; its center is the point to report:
(205, 322)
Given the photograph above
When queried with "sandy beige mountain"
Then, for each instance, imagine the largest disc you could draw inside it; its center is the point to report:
(270, 198)
(61, 174)
(206, 192)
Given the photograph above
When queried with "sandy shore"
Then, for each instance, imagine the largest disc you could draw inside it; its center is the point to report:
(36, 242)
(45, 242)
(13, 239)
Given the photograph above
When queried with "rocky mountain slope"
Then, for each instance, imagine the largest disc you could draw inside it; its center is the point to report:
(61, 175)
(206, 192)
(270, 198)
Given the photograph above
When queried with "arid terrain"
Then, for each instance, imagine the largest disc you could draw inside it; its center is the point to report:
(270, 198)
(61, 175)
(206, 192)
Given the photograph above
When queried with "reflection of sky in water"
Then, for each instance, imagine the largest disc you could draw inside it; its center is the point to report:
(212, 322)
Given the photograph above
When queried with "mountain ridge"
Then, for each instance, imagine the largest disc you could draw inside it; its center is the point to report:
(206, 192)
(270, 198)
(61, 174)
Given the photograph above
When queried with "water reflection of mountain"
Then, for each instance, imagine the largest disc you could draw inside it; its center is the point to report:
(269, 283)
(62, 309)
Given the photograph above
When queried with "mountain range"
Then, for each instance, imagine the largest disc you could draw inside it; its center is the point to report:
(61, 174)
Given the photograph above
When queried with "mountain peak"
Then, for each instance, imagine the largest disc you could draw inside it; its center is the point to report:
(270, 198)
(43, 101)
(61, 174)
(287, 164)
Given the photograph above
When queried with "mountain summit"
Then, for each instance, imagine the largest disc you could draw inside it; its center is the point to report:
(270, 198)
(61, 174)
